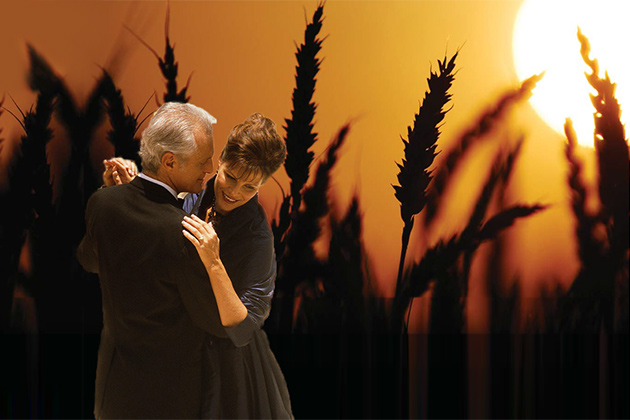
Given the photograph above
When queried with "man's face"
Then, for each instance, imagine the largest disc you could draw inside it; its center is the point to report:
(191, 174)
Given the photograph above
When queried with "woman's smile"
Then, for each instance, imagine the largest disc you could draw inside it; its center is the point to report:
(242, 186)
(228, 198)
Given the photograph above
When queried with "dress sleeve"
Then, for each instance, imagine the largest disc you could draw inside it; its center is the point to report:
(254, 281)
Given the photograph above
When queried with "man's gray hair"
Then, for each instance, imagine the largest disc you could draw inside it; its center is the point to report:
(172, 129)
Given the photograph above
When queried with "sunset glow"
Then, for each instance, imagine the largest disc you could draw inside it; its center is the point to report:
(545, 40)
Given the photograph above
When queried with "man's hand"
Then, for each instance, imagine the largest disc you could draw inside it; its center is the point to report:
(119, 171)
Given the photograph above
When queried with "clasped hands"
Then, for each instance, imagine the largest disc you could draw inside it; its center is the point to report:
(119, 171)
(201, 234)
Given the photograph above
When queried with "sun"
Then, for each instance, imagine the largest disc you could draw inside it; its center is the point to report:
(545, 39)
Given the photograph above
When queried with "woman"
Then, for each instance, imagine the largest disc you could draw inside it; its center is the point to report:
(236, 246)
(235, 243)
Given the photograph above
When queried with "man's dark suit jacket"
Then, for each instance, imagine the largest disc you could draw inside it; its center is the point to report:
(157, 304)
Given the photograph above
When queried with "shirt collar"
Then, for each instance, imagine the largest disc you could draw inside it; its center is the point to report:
(155, 181)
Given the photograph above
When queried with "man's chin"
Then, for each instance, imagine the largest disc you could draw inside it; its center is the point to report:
(196, 189)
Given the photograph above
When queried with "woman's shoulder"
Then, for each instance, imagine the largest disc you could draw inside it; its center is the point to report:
(254, 232)
(260, 223)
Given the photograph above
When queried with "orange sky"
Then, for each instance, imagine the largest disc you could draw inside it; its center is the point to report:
(377, 57)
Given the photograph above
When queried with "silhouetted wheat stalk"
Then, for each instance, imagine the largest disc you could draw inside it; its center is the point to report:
(505, 308)
(441, 257)
(501, 171)
(612, 155)
(280, 226)
(592, 299)
(478, 231)
(330, 299)
(56, 270)
(504, 302)
(81, 123)
(298, 263)
(299, 129)
(415, 175)
(346, 262)
(27, 204)
(124, 124)
(168, 65)
(30, 171)
(484, 124)
(445, 254)
(299, 139)
(589, 249)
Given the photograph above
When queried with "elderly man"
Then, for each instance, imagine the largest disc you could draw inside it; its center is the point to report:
(158, 304)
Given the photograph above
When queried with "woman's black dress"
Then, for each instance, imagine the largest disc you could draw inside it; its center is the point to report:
(242, 377)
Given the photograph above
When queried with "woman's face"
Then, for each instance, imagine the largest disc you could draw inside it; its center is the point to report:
(232, 188)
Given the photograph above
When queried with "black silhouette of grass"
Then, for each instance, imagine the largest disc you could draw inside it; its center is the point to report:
(332, 300)
(347, 274)
(81, 123)
(298, 264)
(299, 128)
(28, 198)
(168, 66)
(299, 136)
(589, 249)
(612, 156)
(420, 146)
(124, 125)
(299, 139)
(593, 297)
(29, 194)
(57, 280)
(336, 293)
(443, 258)
(484, 125)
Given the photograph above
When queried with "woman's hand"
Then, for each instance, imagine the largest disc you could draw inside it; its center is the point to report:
(119, 171)
(204, 238)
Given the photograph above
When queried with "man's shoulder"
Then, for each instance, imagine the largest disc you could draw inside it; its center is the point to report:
(115, 192)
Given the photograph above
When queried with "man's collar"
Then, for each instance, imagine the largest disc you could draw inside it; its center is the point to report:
(155, 181)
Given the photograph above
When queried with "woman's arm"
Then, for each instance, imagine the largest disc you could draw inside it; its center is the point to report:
(203, 236)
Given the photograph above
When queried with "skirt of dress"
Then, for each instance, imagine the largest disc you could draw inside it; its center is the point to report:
(243, 382)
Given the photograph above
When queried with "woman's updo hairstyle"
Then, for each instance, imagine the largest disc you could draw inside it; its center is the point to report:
(255, 147)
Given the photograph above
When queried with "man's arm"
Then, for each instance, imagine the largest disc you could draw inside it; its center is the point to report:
(196, 292)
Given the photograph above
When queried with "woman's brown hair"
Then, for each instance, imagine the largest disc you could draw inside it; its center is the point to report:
(255, 147)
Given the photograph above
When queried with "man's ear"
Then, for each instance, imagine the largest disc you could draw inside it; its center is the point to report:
(169, 160)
